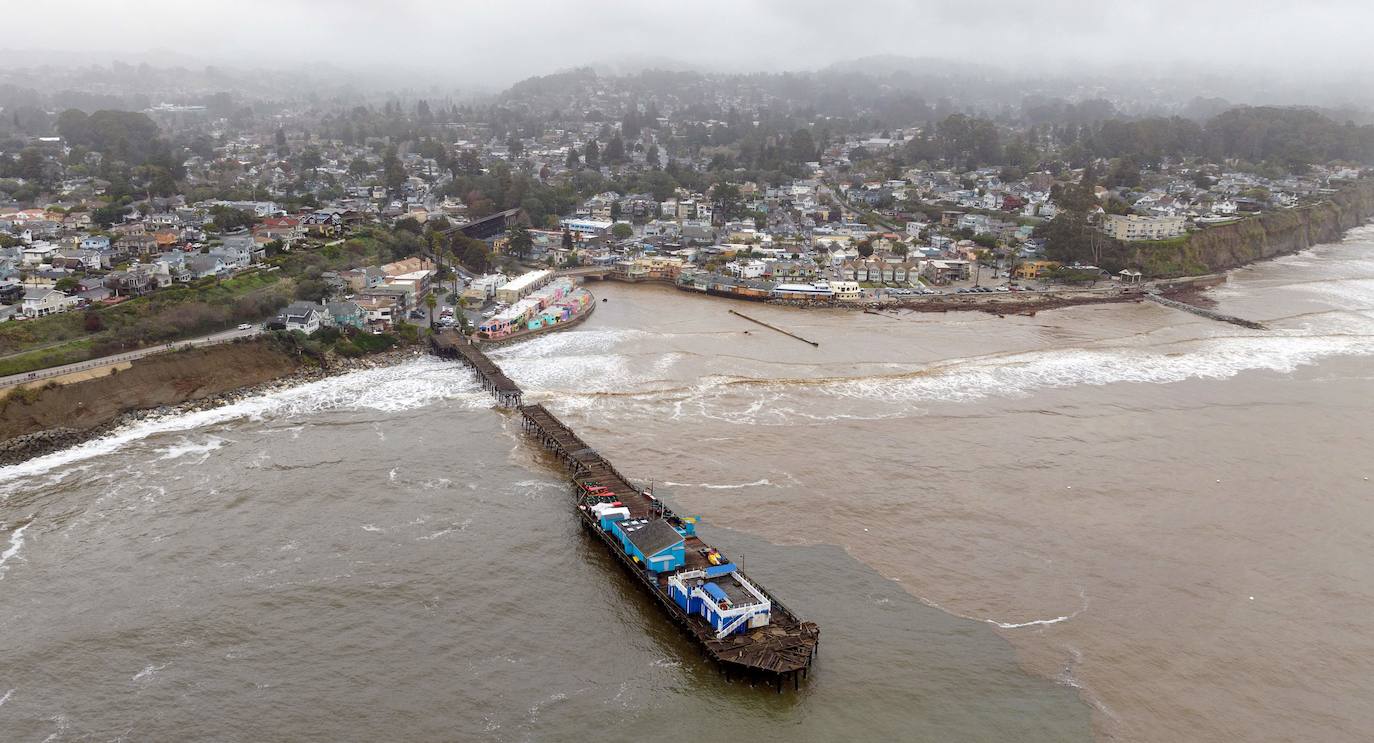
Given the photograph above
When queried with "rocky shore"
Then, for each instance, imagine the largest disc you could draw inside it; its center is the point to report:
(38, 443)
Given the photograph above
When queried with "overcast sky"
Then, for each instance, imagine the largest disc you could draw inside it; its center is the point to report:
(498, 41)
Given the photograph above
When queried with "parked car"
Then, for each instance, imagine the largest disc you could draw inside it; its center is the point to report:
(245, 326)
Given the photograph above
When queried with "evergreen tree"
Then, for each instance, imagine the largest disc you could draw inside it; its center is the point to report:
(615, 150)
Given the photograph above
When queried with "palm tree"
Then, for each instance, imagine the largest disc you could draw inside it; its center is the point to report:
(430, 303)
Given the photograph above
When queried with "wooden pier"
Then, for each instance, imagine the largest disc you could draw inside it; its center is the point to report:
(453, 345)
(776, 653)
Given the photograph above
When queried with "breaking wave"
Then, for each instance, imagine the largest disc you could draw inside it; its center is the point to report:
(389, 389)
(16, 544)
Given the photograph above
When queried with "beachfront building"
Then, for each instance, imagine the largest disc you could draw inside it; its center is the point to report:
(649, 268)
(849, 291)
(521, 286)
(551, 305)
(483, 288)
(943, 272)
(1136, 227)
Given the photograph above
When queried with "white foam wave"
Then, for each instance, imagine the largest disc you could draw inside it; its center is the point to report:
(6, 697)
(580, 341)
(711, 486)
(963, 380)
(147, 671)
(16, 544)
(446, 530)
(1016, 625)
(190, 447)
(1354, 294)
(386, 389)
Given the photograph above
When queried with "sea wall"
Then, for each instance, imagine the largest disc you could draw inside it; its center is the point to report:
(1223, 247)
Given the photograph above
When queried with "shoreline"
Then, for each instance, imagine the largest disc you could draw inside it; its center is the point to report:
(1189, 290)
(21, 448)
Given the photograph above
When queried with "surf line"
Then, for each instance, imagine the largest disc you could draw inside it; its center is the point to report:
(1014, 625)
(16, 543)
(710, 486)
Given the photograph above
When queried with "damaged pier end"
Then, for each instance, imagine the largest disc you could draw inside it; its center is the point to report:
(740, 625)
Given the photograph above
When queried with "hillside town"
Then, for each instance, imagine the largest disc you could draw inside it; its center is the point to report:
(426, 213)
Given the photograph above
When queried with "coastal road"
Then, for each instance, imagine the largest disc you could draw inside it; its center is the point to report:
(128, 356)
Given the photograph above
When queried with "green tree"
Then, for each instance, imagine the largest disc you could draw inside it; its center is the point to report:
(593, 155)
(521, 243)
(228, 219)
(468, 163)
(729, 200)
(801, 146)
(622, 231)
(311, 159)
(393, 172)
(615, 150)
(430, 303)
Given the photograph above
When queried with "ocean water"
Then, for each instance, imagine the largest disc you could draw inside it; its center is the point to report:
(1122, 522)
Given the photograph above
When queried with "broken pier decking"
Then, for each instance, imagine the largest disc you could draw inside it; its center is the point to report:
(784, 648)
(452, 345)
(781, 650)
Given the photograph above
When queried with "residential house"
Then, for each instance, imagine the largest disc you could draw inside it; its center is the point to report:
(139, 244)
(78, 259)
(98, 243)
(42, 301)
(303, 316)
(363, 278)
(1028, 270)
(201, 265)
(345, 314)
(128, 283)
(379, 311)
(323, 222)
(38, 254)
(129, 229)
(945, 271)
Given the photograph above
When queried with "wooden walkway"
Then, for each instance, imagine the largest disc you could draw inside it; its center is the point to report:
(452, 345)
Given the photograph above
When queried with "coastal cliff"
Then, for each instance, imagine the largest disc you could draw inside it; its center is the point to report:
(37, 420)
(1223, 247)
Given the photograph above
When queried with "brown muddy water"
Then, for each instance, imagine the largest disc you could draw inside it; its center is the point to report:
(1119, 521)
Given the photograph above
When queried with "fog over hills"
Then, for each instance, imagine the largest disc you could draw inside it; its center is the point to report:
(1257, 51)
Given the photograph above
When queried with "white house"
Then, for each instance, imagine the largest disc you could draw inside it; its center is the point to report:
(37, 255)
(44, 301)
(302, 316)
